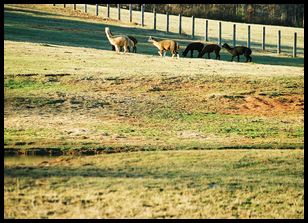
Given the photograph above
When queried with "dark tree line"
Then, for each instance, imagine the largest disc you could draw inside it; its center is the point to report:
(269, 14)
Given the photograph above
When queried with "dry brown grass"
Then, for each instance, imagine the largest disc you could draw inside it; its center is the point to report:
(87, 99)
(105, 102)
(170, 184)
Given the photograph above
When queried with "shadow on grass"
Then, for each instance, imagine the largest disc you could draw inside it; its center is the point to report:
(128, 172)
(266, 59)
(33, 12)
(136, 172)
(40, 27)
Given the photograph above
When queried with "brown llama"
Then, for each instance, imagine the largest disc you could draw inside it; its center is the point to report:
(193, 46)
(237, 51)
(209, 49)
(165, 45)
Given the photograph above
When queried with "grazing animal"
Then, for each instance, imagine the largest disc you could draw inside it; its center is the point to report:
(134, 47)
(237, 51)
(165, 45)
(193, 46)
(209, 49)
(119, 41)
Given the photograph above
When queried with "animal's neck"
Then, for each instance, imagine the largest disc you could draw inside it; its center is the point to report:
(109, 36)
(229, 48)
(155, 43)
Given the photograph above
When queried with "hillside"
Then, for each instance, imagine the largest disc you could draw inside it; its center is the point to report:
(173, 138)
(80, 98)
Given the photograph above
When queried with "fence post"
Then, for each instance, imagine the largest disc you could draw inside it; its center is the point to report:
(263, 38)
(85, 8)
(279, 42)
(180, 24)
(74, 6)
(64, 5)
(54, 4)
(219, 33)
(108, 10)
(167, 16)
(193, 27)
(294, 44)
(142, 15)
(130, 12)
(96, 10)
(154, 15)
(234, 35)
(206, 35)
(119, 12)
(248, 37)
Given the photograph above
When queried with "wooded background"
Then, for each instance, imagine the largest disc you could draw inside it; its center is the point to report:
(271, 14)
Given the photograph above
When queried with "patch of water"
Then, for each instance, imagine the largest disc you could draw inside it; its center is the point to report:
(26, 160)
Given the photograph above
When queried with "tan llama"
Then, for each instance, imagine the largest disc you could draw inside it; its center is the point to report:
(165, 45)
(119, 41)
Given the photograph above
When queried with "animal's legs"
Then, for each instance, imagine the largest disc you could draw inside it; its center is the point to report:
(217, 55)
(125, 48)
(117, 49)
(208, 55)
(238, 58)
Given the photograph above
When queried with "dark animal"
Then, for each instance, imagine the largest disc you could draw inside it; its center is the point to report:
(193, 46)
(237, 51)
(209, 49)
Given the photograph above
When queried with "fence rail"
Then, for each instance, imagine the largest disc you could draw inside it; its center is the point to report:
(234, 31)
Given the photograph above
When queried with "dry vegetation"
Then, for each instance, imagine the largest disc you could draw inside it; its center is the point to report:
(65, 91)
(107, 103)
(170, 184)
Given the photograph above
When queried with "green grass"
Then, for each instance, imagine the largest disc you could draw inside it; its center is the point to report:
(23, 23)
(182, 138)
(190, 184)
(199, 105)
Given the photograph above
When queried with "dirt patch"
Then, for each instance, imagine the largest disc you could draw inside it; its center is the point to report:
(191, 134)
(270, 106)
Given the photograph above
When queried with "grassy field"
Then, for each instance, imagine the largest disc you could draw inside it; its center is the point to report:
(227, 28)
(38, 23)
(234, 131)
(168, 184)
(106, 102)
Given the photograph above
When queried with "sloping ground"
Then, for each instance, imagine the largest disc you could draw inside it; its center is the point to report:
(92, 100)
(43, 23)
(65, 90)
(87, 99)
